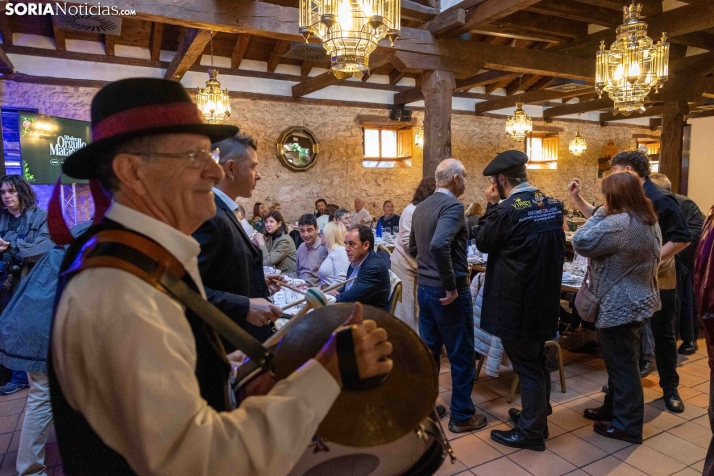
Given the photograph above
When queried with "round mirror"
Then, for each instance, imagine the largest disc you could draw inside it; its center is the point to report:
(297, 148)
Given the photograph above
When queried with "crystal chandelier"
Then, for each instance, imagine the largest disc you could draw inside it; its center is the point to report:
(419, 138)
(633, 65)
(350, 30)
(213, 102)
(577, 144)
(519, 124)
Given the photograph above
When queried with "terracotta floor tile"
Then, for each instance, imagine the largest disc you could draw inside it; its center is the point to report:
(499, 408)
(581, 404)
(648, 431)
(22, 394)
(690, 411)
(500, 385)
(577, 472)
(482, 394)
(472, 451)
(556, 396)
(485, 436)
(691, 380)
(662, 419)
(652, 394)
(448, 469)
(686, 393)
(541, 463)
(554, 430)
(8, 465)
(693, 433)
(15, 443)
(702, 387)
(649, 461)
(583, 386)
(702, 420)
(8, 423)
(568, 419)
(20, 421)
(575, 450)
(501, 466)
(696, 370)
(580, 368)
(612, 466)
(698, 466)
(677, 448)
(599, 376)
(491, 421)
(12, 407)
(688, 472)
(606, 444)
(444, 398)
(650, 382)
(701, 400)
(5, 440)
(445, 380)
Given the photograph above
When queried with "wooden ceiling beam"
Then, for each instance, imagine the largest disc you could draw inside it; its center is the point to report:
(189, 51)
(281, 47)
(490, 88)
(157, 35)
(395, 76)
(515, 32)
(484, 13)
(408, 96)
(60, 44)
(5, 30)
(538, 23)
(697, 39)
(416, 11)
(6, 66)
(316, 83)
(482, 79)
(542, 83)
(606, 117)
(524, 84)
(576, 11)
(239, 50)
(415, 63)
(577, 108)
(535, 96)
(306, 66)
(109, 44)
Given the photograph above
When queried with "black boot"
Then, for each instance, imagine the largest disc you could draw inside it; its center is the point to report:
(515, 439)
(673, 401)
(688, 348)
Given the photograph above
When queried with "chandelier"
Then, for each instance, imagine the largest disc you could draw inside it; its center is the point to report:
(419, 138)
(350, 30)
(213, 102)
(519, 124)
(633, 65)
(577, 144)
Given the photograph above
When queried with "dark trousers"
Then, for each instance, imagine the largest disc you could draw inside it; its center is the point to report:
(451, 326)
(620, 348)
(528, 361)
(665, 339)
(687, 307)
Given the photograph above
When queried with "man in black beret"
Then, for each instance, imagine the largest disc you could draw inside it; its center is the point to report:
(523, 236)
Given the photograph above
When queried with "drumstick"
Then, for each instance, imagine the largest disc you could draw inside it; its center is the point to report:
(334, 286)
(315, 299)
(285, 285)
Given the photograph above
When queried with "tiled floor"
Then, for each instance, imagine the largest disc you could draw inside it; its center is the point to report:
(675, 444)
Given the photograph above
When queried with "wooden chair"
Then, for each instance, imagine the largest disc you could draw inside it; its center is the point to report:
(514, 385)
(395, 297)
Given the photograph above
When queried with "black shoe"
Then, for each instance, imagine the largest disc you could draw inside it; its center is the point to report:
(441, 411)
(515, 439)
(688, 348)
(606, 429)
(474, 423)
(673, 401)
(599, 414)
(515, 415)
(647, 368)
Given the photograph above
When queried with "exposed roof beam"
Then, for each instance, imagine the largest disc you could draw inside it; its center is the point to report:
(59, 36)
(5, 30)
(482, 79)
(414, 63)
(577, 108)
(416, 11)
(6, 66)
(524, 84)
(490, 88)
(306, 66)
(395, 76)
(578, 11)
(326, 79)
(410, 95)
(535, 96)
(649, 112)
(542, 83)
(239, 49)
(281, 47)
(697, 39)
(487, 12)
(157, 35)
(189, 51)
(518, 33)
(109, 44)
(537, 23)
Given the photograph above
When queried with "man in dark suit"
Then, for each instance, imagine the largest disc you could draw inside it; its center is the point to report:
(231, 266)
(372, 283)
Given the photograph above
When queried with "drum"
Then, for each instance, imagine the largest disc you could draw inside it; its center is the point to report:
(419, 453)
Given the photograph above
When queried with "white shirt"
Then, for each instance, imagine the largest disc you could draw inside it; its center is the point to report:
(400, 255)
(322, 221)
(334, 268)
(362, 215)
(444, 190)
(125, 358)
(232, 205)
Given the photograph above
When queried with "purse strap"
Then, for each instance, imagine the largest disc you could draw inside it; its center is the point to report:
(152, 263)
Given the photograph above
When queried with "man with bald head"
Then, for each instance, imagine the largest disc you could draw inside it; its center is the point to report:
(360, 216)
(438, 242)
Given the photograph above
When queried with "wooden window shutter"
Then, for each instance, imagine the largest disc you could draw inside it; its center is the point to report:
(404, 143)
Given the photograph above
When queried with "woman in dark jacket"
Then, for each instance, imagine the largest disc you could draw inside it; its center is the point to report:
(277, 247)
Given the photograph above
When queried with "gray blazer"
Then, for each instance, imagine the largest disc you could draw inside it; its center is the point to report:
(614, 243)
(279, 253)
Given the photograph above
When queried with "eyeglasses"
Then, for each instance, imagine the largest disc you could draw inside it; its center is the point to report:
(197, 160)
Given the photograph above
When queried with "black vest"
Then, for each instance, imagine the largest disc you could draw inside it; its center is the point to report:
(83, 452)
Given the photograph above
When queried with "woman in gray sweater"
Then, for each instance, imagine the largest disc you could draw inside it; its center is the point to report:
(277, 246)
(623, 242)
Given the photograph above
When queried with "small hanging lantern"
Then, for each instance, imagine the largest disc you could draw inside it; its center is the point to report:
(519, 125)
(577, 144)
(213, 102)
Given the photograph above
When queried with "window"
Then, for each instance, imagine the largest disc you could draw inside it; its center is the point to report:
(386, 147)
(542, 152)
(652, 146)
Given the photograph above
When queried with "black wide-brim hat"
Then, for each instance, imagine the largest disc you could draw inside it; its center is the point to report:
(138, 107)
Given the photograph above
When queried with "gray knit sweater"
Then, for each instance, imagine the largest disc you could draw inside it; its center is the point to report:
(614, 243)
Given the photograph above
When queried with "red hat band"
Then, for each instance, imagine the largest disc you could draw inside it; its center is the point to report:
(147, 117)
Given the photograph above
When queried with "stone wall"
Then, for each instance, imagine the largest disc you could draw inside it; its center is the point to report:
(339, 175)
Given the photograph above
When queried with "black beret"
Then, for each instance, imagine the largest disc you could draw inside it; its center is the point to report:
(505, 160)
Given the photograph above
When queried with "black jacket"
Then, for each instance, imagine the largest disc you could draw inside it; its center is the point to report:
(693, 215)
(231, 268)
(524, 239)
(372, 283)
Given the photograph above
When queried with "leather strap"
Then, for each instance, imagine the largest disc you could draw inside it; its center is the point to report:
(152, 263)
(346, 359)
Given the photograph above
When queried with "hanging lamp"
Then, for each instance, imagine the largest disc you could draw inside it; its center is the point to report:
(577, 144)
(213, 102)
(519, 125)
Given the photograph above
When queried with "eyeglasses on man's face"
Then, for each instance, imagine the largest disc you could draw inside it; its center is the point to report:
(197, 160)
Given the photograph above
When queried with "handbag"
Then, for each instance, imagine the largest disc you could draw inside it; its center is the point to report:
(587, 303)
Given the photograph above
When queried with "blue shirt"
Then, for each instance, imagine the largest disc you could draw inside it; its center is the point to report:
(231, 203)
(355, 272)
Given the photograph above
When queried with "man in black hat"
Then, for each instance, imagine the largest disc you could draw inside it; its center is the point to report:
(523, 236)
(138, 382)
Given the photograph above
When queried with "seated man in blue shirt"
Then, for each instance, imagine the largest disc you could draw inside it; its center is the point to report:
(372, 283)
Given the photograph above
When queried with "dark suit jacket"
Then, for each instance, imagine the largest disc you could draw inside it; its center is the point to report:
(231, 268)
(372, 283)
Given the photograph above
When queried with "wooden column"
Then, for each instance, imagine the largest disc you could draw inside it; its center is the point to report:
(670, 153)
(438, 87)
